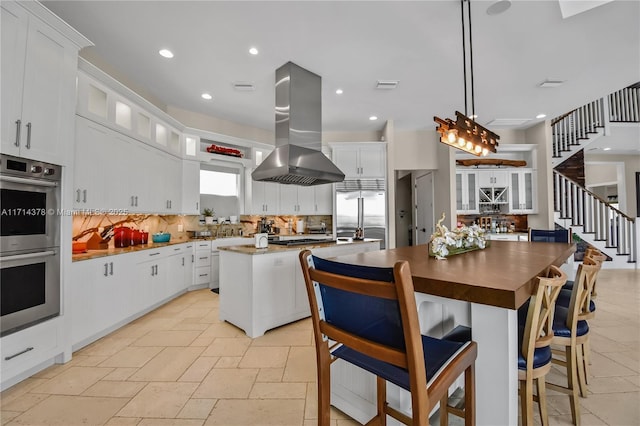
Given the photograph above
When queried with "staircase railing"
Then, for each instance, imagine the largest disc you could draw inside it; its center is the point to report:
(596, 216)
(624, 105)
(568, 129)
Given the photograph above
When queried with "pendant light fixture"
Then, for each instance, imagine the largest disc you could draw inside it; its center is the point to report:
(464, 133)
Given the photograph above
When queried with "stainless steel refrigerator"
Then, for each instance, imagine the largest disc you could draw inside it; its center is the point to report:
(365, 208)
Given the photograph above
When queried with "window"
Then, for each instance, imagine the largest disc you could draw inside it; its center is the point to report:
(218, 183)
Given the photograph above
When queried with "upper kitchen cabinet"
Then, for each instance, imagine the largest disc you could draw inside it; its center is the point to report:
(522, 191)
(104, 100)
(360, 160)
(467, 192)
(190, 187)
(39, 62)
(264, 198)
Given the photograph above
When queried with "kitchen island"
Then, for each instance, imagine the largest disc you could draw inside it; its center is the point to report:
(263, 288)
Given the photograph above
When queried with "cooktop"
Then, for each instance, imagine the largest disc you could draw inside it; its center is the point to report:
(300, 242)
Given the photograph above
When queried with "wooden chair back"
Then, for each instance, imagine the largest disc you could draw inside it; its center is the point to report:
(539, 325)
(581, 293)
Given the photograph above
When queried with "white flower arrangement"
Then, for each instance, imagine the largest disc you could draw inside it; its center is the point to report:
(464, 238)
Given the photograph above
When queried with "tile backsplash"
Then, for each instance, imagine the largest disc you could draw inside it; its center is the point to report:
(84, 226)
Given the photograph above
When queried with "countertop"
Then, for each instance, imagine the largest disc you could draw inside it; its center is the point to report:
(272, 248)
(94, 254)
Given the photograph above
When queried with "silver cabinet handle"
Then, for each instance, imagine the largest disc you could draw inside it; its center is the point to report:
(183, 261)
(84, 195)
(192, 258)
(177, 249)
(136, 201)
(132, 201)
(106, 266)
(18, 126)
(29, 135)
(152, 270)
(197, 206)
(77, 195)
(110, 268)
(7, 358)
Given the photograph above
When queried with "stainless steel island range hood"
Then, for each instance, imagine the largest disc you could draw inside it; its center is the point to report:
(298, 159)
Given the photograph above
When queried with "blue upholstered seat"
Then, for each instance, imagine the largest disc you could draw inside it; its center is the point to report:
(560, 323)
(549, 235)
(541, 356)
(436, 354)
(564, 298)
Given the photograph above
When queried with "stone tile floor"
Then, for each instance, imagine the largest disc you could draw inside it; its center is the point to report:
(179, 365)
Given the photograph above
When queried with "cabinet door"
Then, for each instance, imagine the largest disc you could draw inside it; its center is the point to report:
(190, 260)
(79, 311)
(500, 179)
(190, 187)
(288, 199)
(346, 158)
(323, 198)
(522, 192)
(372, 162)
(306, 200)
(264, 198)
(92, 162)
(176, 264)
(466, 192)
(14, 40)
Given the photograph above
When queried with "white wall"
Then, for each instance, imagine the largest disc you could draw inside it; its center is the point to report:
(540, 134)
(631, 166)
(416, 150)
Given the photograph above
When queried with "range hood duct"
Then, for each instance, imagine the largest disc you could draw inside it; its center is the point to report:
(298, 159)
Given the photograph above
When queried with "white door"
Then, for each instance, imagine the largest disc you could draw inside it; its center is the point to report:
(424, 208)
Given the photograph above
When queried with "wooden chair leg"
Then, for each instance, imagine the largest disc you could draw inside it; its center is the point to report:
(586, 353)
(572, 380)
(470, 395)
(580, 366)
(444, 413)
(324, 387)
(526, 401)
(542, 401)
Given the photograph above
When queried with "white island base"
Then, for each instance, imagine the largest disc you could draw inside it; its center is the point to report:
(261, 289)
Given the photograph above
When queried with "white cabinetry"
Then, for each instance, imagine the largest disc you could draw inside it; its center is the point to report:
(360, 160)
(493, 178)
(177, 262)
(39, 62)
(202, 271)
(264, 197)
(190, 187)
(466, 192)
(522, 191)
(323, 199)
(215, 255)
(99, 297)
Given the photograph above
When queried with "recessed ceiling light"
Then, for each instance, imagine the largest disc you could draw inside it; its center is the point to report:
(166, 53)
(606, 149)
(541, 115)
(498, 7)
(253, 51)
(339, 92)
(206, 96)
(373, 118)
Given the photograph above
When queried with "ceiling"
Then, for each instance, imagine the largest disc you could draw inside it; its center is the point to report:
(352, 45)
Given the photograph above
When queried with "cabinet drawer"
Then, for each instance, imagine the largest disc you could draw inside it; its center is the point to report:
(30, 346)
(203, 275)
(203, 258)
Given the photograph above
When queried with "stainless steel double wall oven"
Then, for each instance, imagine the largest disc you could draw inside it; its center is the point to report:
(30, 223)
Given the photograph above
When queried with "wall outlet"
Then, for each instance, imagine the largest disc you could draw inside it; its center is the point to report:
(180, 227)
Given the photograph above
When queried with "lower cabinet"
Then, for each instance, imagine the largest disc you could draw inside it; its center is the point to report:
(108, 292)
(99, 298)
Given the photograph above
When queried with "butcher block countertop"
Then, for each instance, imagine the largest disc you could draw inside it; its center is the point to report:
(273, 248)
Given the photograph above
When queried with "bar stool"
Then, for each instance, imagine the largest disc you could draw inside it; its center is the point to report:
(367, 316)
(535, 334)
(571, 332)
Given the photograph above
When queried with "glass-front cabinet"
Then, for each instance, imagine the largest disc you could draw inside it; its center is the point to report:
(522, 191)
(467, 192)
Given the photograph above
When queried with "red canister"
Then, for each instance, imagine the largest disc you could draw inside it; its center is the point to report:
(121, 237)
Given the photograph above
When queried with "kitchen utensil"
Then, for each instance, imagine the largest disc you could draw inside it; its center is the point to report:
(79, 247)
(161, 237)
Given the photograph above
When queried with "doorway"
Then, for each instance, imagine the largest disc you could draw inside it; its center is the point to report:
(424, 208)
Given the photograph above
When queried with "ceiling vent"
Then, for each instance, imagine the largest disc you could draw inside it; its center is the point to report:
(507, 122)
(243, 86)
(387, 84)
(551, 83)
